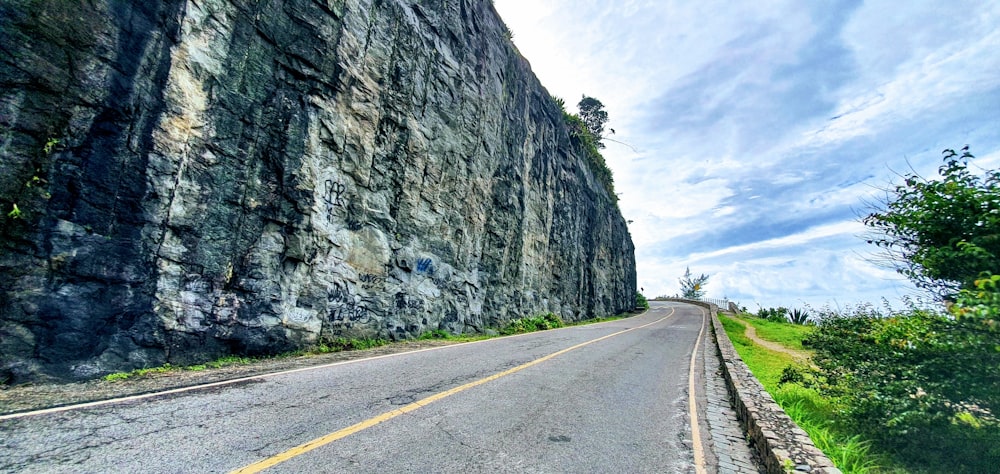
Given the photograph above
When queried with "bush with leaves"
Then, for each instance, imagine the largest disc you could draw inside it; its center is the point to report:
(641, 301)
(924, 386)
(943, 233)
(776, 315)
(537, 323)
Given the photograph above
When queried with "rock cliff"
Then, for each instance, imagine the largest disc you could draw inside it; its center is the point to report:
(183, 179)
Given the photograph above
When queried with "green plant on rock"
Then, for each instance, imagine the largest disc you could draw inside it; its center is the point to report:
(339, 344)
(594, 117)
(50, 145)
(15, 213)
(583, 135)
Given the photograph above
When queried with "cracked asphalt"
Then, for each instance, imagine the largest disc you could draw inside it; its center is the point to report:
(616, 405)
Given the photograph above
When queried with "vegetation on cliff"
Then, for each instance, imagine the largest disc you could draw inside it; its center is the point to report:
(586, 136)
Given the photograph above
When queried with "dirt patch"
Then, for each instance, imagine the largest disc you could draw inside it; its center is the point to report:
(30, 397)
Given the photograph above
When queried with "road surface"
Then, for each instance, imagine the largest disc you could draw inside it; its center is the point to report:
(609, 397)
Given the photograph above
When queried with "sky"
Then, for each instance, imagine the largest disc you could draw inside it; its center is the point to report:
(758, 133)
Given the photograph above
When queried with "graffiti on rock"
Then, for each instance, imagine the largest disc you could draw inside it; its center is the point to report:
(333, 196)
(347, 308)
(405, 303)
(425, 266)
(371, 281)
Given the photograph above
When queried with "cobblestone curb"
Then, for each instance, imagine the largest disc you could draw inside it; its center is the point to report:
(782, 445)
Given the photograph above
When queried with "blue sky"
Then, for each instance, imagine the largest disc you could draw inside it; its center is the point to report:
(760, 129)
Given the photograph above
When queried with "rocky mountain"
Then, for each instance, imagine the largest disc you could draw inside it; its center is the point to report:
(186, 179)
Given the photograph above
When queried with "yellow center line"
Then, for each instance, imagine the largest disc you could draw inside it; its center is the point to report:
(699, 453)
(345, 432)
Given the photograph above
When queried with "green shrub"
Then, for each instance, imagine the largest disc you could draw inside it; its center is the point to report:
(339, 344)
(922, 385)
(941, 233)
(778, 315)
(537, 323)
(641, 301)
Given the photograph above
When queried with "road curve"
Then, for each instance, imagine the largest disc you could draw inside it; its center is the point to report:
(609, 397)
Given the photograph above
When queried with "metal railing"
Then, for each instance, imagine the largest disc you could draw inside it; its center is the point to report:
(725, 304)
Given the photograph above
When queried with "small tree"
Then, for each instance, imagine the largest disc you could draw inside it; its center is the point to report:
(942, 234)
(693, 287)
(594, 117)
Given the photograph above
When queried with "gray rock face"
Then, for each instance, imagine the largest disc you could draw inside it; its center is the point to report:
(195, 179)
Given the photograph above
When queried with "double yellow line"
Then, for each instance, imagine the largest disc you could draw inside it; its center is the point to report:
(345, 432)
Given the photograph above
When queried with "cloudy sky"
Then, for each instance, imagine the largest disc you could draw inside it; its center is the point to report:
(759, 129)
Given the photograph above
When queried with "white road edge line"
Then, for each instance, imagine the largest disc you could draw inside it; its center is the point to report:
(131, 398)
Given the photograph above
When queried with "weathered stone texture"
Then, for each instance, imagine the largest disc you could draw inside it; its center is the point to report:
(198, 178)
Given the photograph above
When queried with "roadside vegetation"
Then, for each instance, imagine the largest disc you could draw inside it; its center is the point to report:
(537, 323)
(640, 301)
(918, 386)
(518, 326)
(780, 373)
(215, 364)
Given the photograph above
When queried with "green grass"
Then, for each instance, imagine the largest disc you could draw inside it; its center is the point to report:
(598, 320)
(786, 334)
(517, 326)
(140, 372)
(229, 360)
(442, 335)
(765, 364)
(340, 344)
(813, 413)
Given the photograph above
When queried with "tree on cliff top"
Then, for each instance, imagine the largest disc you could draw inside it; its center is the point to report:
(583, 135)
(594, 117)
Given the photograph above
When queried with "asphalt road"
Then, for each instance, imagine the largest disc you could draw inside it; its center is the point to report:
(610, 397)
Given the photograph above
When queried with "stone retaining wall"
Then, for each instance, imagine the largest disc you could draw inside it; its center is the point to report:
(782, 445)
